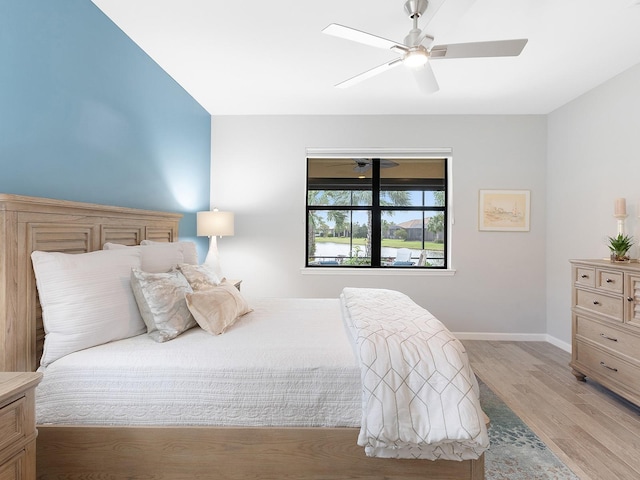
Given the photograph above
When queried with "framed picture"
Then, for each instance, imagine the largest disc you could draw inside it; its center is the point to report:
(504, 210)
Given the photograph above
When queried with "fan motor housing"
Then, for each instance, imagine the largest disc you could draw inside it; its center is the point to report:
(415, 8)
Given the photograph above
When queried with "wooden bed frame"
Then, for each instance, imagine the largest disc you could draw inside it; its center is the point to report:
(74, 452)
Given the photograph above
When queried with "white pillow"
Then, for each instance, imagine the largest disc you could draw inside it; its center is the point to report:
(156, 258)
(188, 249)
(160, 298)
(86, 299)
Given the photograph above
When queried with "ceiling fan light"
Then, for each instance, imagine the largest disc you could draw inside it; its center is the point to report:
(416, 57)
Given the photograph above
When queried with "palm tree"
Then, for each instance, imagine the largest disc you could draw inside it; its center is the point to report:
(314, 197)
(388, 198)
(436, 223)
(339, 218)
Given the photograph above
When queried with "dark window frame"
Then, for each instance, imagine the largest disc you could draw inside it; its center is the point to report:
(377, 210)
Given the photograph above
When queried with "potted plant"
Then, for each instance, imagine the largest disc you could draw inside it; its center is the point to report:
(619, 247)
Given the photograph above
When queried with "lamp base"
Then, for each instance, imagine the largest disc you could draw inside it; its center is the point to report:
(213, 259)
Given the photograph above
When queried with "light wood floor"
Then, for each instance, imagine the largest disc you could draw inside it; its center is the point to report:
(594, 432)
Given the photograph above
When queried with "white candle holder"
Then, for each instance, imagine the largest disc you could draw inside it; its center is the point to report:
(621, 218)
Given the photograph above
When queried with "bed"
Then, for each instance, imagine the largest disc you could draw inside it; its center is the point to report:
(76, 450)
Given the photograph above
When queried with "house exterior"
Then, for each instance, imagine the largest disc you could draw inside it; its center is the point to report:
(415, 230)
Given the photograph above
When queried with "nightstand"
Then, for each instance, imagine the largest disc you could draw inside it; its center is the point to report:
(18, 425)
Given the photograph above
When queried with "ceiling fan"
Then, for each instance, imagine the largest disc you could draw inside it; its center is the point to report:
(418, 49)
(365, 164)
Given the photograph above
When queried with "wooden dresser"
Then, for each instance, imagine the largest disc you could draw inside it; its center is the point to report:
(18, 425)
(606, 325)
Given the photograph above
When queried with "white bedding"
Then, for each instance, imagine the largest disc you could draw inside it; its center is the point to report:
(269, 369)
(389, 367)
(420, 398)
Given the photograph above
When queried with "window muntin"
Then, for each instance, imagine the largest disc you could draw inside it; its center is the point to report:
(393, 204)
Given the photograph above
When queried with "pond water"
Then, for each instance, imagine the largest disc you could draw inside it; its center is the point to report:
(328, 249)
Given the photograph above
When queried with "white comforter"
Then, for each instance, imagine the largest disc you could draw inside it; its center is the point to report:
(288, 363)
(420, 396)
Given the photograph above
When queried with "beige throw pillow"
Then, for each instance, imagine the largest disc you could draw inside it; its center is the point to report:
(200, 277)
(217, 308)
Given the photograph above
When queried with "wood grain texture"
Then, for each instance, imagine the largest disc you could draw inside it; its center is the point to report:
(226, 453)
(593, 431)
(28, 224)
(605, 331)
(18, 425)
(73, 452)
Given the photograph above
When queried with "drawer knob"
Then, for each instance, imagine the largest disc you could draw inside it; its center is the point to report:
(608, 280)
(596, 302)
(608, 338)
(629, 299)
(584, 275)
(608, 367)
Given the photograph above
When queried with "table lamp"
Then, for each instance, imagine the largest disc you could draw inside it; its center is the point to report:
(214, 224)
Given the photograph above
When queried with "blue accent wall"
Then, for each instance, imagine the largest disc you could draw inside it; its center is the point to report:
(86, 115)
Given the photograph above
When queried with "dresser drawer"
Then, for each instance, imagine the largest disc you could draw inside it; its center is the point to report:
(607, 367)
(585, 276)
(610, 281)
(12, 419)
(15, 468)
(611, 307)
(608, 337)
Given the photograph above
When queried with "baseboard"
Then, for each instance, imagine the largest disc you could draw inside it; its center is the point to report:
(515, 337)
(559, 343)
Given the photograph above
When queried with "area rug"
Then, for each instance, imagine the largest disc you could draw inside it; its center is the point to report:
(515, 451)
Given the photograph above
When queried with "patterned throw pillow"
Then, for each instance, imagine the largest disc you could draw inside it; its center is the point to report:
(200, 277)
(161, 300)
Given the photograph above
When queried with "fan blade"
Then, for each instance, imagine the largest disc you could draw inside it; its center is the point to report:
(362, 37)
(448, 14)
(369, 73)
(385, 163)
(497, 48)
(365, 164)
(426, 79)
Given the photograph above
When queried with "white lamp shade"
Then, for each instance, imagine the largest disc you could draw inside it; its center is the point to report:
(215, 223)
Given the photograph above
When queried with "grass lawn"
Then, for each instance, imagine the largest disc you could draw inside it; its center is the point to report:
(386, 242)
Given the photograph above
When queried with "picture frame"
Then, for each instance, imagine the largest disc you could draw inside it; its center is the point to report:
(504, 210)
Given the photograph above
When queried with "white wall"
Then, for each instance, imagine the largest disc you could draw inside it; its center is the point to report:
(593, 158)
(258, 171)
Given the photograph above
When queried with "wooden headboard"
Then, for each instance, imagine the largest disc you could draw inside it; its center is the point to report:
(28, 224)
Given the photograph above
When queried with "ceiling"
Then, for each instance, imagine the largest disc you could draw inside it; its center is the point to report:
(254, 57)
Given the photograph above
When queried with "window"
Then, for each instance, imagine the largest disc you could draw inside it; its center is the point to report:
(385, 211)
